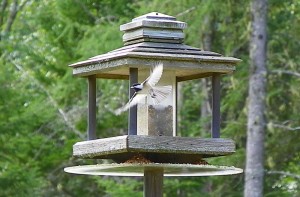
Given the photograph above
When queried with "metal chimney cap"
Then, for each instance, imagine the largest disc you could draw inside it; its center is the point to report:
(155, 16)
(153, 27)
(154, 20)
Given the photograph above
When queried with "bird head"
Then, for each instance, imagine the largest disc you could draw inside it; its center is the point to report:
(137, 87)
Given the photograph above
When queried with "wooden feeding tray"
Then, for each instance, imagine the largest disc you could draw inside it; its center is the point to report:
(157, 149)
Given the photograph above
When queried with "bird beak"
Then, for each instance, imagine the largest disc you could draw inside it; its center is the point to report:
(131, 87)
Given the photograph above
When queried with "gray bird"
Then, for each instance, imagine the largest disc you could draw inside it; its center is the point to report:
(142, 90)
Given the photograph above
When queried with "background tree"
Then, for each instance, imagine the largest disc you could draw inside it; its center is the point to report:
(254, 171)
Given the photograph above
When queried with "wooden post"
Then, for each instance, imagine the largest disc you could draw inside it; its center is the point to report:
(132, 123)
(91, 131)
(153, 182)
(215, 126)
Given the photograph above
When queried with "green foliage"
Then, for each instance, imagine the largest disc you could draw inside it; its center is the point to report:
(43, 107)
(127, 187)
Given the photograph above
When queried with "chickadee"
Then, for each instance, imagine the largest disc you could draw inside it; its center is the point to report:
(142, 90)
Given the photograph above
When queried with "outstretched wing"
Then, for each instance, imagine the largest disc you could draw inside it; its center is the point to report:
(135, 99)
(160, 93)
(155, 75)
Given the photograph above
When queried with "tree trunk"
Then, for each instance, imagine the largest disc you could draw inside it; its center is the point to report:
(12, 16)
(254, 172)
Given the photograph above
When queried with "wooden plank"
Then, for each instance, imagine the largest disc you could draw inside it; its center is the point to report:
(201, 58)
(167, 144)
(92, 107)
(92, 148)
(153, 144)
(132, 123)
(112, 76)
(196, 76)
(183, 75)
(159, 46)
(153, 182)
(174, 51)
(155, 33)
(118, 67)
(178, 56)
(150, 23)
(216, 99)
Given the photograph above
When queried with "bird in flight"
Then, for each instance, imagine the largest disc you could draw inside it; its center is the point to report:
(148, 88)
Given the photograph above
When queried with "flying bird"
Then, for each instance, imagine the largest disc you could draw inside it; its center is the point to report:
(148, 88)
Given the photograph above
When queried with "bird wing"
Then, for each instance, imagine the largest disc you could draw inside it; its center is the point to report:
(135, 99)
(155, 75)
(160, 93)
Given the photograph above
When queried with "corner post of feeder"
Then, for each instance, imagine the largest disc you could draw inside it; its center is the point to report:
(91, 131)
(215, 126)
(176, 104)
(153, 182)
(132, 123)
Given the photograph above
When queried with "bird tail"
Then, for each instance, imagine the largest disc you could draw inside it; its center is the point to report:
(160, 93)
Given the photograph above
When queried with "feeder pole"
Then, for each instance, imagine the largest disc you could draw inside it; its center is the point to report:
(132, 124)
(215, 126)
(91, 131)
(153, 182)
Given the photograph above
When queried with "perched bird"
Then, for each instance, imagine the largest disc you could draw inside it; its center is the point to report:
(142, 90)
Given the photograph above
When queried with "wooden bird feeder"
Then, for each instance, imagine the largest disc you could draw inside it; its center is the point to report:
(150, 39)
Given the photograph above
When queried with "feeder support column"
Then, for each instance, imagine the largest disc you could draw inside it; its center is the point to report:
(215, 125)
(132, 124)
(91, 131)
(153, 182)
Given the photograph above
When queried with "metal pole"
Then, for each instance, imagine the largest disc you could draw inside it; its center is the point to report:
(215, 126)
(153, 182)
(91, 132)
(132, 123)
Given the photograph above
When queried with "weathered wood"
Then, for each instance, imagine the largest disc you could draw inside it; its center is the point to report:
(132, 123)
(162, 21)
(186, 70)
(177, 145)
(158, 148)
(175, 51)
(178, 56)
(162, 46)
(112, 76)
(195, 76)
(153, 182)
(172, 51)
(216, 99)
(91, 131)
(184, 75)
(93, 148)
(153, 33)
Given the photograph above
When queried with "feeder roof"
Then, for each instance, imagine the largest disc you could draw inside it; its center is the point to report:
(150, 39)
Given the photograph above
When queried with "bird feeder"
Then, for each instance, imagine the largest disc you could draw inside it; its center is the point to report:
(148, 40)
